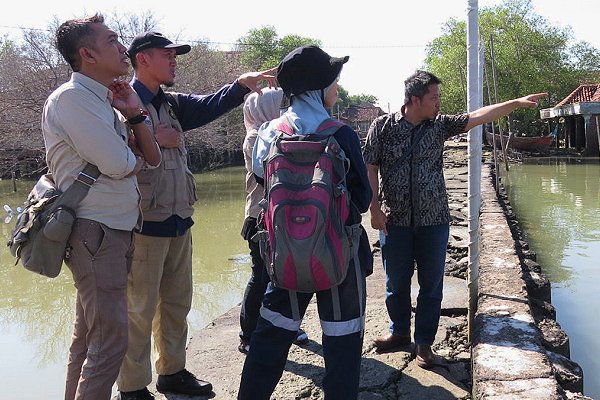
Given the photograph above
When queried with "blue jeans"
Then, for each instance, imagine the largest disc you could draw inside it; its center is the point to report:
(402, 247)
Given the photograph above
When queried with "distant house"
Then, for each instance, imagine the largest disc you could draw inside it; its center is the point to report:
(576, 119)
(360, 116)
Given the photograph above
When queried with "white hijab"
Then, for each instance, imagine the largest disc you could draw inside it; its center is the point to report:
(305, 113)
(262, 108)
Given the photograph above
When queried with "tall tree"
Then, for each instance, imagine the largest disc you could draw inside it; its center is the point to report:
(531, 55)
(363, 98)
(261, 48)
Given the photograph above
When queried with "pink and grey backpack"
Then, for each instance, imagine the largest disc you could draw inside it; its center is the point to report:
(305, 244)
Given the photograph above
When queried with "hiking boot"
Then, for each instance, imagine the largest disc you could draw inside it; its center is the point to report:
(301, 337)
(142, 394)
(391, 341)
(244, 347)
(183, 382)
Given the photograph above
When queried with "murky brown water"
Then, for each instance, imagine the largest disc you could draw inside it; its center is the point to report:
(558, 206)
(36, 313)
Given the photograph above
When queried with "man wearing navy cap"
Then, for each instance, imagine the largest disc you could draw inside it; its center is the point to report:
(160, 282)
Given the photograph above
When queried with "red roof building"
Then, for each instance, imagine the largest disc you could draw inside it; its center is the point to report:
(576, 119)
(360, 117)
(589, 92)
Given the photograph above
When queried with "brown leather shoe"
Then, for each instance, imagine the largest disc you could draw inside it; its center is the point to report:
(425, 357)
(390, 341)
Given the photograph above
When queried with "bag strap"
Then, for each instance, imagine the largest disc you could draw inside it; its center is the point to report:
(78, 190)
(327, 127)
(399, 161)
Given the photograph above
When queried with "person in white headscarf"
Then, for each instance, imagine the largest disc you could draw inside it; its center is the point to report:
(308, 77)
(304, 114)
(258, 109)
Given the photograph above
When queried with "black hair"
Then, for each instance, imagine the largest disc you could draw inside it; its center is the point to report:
(418, 85)
(74, 34)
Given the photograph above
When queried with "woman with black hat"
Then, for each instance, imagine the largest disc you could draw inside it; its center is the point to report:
(308, 77)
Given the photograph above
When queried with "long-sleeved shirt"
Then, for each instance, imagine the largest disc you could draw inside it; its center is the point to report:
(80, 126)
(166, 213)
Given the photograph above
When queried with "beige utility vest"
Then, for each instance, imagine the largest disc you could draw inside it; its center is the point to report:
(169, 189)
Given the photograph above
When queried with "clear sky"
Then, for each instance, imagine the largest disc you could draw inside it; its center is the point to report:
(384, 39)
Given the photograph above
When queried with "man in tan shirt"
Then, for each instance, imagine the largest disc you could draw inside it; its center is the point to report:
(81, 126)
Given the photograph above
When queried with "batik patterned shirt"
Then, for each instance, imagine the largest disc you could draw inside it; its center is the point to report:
(414, 193)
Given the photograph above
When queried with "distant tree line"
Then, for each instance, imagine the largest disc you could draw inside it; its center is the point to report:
(32, 68)
(529, 54)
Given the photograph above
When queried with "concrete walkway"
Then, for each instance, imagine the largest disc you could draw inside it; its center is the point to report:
(519, 351)
(213, 354)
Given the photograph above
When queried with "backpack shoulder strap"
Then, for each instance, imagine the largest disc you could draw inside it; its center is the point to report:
(285, 126)
(329, 127)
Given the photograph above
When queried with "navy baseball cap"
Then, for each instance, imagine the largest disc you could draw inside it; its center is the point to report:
(154, 40)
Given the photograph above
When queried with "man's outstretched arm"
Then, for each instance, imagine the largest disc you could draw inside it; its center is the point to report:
(493, 112)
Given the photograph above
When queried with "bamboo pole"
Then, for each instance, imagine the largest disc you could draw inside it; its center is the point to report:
(494, 151)
(495, 80)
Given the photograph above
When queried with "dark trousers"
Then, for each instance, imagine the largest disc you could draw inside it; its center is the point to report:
(342, 338)
(254, 293)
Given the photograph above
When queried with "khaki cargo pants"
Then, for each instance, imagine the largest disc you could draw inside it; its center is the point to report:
(159, 293)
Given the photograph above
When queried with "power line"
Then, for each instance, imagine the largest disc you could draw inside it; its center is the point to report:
(230, 44)
(24, 28)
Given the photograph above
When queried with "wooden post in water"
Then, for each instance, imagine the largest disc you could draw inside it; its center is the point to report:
(494, 151)
(496, 100)
(598, 131)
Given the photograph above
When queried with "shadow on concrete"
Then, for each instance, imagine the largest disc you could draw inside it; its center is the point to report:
(386, 382)
(173, 396)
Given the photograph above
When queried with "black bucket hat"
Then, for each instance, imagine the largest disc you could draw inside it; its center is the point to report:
(308, 68)
(154, 40)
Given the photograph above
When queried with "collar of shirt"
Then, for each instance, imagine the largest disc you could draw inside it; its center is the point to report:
(401, 119)
(158, 100)
(93, 86)
(145, 94)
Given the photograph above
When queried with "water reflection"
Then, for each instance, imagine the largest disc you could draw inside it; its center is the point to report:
(36, 313)
(557, 204)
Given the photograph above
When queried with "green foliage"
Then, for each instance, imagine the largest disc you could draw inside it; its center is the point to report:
(531, 56)
(585, 59)
(262, 48)
(343, 101)
(363, 98)
(346, 100)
